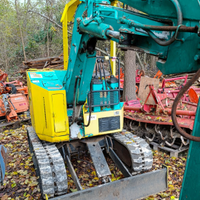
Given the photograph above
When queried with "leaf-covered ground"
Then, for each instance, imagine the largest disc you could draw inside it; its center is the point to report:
(21, 181)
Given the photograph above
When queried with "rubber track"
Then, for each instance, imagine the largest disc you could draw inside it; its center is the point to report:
(49, 166)
(139, 149)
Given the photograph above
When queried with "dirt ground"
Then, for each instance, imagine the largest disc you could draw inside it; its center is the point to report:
(21, 181)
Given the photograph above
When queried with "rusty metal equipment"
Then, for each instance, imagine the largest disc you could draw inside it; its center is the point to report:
(13, 98)
(154, 122)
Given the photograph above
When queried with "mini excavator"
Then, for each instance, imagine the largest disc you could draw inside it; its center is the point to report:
(74, 110)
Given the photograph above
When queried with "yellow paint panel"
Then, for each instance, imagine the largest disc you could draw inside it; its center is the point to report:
(67, 16)
(93, 128)
(113, 48)
(48, 111)
(59, 113)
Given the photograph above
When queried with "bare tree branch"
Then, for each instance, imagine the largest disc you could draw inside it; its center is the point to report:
(141, 64)
(20, 29)
(58, 25)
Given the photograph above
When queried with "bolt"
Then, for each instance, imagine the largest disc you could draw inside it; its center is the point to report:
(196, 57)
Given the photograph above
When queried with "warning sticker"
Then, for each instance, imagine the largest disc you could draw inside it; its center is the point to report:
(116, 113)
(34, 75)
(93, 117)
(36, 81)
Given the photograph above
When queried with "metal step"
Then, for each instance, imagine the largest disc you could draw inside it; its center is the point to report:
(98, 159)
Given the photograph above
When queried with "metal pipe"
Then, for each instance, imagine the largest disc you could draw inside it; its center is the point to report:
(113, 34)
(169, 111)
(179, 24)
(160, 28)
(182, 112)
(132, 108)
(175, 104)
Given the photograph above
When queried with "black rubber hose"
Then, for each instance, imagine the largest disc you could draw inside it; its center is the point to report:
(13, 88)
(175, 104)
(179, 22)
(90, 106)
(96, 67)
(104, 73)
(74, 99)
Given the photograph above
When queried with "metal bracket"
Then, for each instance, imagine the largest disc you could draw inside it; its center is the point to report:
(98, 159)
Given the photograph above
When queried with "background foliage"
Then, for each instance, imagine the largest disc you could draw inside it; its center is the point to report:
(25, 34)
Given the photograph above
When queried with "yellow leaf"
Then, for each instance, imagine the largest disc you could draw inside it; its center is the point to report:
(13, 185)
(93, 173)
(173, 158)
(113, 179)
(128, 142)
(73, 190)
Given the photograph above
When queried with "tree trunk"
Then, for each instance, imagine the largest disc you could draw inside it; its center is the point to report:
(48, 38)
(48, 14)
(20, 29)
(153, 63)
(5, 56)
(129, 75)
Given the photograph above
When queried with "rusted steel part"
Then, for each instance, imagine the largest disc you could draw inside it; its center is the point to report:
(174, 107)
(132, 108)
(169, 111)
(181, 112)
(169, 28)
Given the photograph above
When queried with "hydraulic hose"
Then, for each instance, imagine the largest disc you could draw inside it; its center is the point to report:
(175, 104)
(90, 107)
(74, 99)
(179, 23)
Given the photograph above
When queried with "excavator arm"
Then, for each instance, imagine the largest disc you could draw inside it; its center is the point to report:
(164, 29)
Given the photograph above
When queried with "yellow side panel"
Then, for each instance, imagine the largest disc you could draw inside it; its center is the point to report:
(48, 113)
(67, 16)
(113, 49)
(59, 112)
(93, 128)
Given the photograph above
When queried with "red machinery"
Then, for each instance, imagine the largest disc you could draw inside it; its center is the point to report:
(171, 89)
(139, 73)
(154, 122)
(13, 98)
